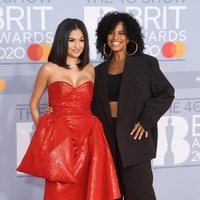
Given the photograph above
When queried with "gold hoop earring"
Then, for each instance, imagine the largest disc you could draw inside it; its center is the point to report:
(104, 51)
(136, 48)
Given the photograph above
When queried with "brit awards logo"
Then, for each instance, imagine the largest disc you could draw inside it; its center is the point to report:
(179, 134)
(164, 37)
(25, 32)
(173, 146)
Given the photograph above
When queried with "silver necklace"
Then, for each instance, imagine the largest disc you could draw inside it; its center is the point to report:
(73, 65)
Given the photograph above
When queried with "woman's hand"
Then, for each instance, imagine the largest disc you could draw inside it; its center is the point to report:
(138, 131)
(48, 109)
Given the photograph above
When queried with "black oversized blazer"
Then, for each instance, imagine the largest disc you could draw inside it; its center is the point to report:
(145, 95)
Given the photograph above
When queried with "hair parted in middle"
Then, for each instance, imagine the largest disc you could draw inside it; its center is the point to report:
(109, 22)
(58, 53)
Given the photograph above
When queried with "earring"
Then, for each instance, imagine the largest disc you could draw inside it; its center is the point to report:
(136, 48)
(104, 51)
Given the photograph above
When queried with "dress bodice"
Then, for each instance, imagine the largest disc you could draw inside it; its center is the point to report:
(65, 98)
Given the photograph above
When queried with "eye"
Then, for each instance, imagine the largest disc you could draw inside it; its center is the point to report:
(70, 40)
(121, 33)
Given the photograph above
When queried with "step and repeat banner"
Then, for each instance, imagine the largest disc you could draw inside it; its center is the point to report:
(27, 27)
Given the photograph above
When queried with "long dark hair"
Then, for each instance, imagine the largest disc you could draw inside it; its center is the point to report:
(109, 22)
(58, 53)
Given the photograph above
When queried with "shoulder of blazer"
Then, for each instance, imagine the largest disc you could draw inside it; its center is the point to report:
(144, 60)
(140, 57)
(144, 57)
(101, 67)
(150, 59)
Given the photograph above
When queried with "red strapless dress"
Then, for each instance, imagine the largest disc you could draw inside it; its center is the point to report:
(69, 148)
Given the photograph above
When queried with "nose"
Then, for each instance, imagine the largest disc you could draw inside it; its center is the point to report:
(77, 45)
(115, 35)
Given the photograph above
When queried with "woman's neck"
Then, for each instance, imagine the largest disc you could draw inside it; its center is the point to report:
(118, 59)
(72, 61)
(117, 64)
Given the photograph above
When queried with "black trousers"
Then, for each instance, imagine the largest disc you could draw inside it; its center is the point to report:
(136, 180)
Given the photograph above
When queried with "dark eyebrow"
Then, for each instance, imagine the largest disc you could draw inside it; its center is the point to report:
(82, 37)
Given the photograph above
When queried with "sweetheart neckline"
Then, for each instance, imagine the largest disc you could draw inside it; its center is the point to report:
(75, 87)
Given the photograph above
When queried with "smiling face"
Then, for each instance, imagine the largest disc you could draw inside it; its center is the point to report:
(75, 45)
(117, 39)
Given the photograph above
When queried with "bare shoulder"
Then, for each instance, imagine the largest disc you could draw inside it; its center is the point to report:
(48, 68)
(90, 67)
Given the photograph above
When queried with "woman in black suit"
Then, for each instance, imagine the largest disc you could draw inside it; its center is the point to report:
(130, 96)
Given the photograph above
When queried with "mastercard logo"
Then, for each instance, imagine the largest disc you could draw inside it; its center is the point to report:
(38, 52)
(2, 85)
(173, 49)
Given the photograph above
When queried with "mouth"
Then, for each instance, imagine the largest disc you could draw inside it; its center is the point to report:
(76, 51)
(116, 43)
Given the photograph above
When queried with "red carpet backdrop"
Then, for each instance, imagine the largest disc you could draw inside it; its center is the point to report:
(171, 30)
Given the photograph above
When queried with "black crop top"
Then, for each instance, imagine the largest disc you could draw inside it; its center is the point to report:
(114, 82)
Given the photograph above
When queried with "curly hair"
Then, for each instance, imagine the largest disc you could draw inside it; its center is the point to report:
(109, 22)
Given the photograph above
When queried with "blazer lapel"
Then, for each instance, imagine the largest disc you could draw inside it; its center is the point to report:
(103, 91)
(129, 76)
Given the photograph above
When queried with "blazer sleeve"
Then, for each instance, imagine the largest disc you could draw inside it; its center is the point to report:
(162, 95)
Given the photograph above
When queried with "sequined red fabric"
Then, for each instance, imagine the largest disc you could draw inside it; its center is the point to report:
(69, 148)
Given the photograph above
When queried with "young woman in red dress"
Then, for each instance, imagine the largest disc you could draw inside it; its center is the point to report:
(69, 149)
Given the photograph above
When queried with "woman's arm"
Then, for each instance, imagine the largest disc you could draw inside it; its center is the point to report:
(162, 97)
(38, 91)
